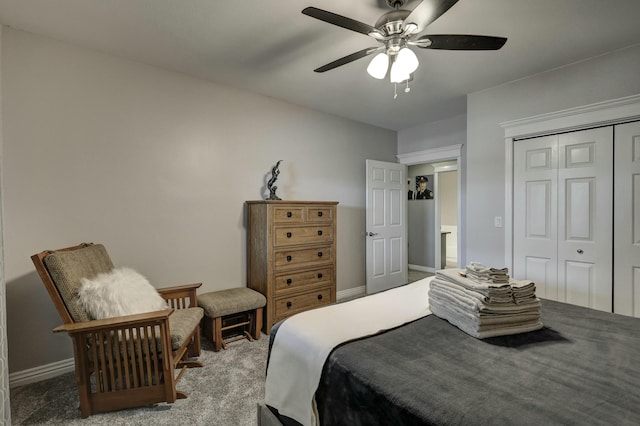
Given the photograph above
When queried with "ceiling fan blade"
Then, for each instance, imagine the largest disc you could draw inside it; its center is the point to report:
(459, 42)
(428, 11)
(349, 58)
(339, 20)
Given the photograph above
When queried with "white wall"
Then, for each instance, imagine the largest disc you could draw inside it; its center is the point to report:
(156, 165)
(602, 78)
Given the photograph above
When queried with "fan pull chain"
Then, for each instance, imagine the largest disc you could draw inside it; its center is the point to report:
(407, 89)
(395, 90)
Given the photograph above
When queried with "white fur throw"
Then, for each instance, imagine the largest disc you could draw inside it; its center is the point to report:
(122, 291)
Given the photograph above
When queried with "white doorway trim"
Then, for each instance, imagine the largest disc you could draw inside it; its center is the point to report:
(446, 153)
(568, 120)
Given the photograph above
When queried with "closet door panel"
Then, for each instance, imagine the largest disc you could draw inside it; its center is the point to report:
(585, 215)
(535, 213)
(627, 220)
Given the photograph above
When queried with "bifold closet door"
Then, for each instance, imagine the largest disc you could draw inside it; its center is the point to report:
(535, 213)
(627, 220)
(585, 218)
(562, 217)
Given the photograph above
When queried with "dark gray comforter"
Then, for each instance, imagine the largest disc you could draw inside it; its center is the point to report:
(583, 368)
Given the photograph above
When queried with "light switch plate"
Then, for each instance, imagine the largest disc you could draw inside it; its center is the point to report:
(497, 221)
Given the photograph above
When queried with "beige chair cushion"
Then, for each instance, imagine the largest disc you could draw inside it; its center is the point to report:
(182, 322)
(67, 268)
(231, 301)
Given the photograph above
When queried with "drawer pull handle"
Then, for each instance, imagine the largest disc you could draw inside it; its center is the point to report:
(289, 304)
(288, 258)
(319, 214)
(319, 276)
(319, 254)
(289, 214)
(289, 281)
(319, 232)
(288, 234)
(319, 297)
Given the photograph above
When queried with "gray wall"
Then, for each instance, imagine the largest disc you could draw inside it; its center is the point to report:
(448, 195)
(156, 165)
(421, 222)
(606, 77)
(5, 409)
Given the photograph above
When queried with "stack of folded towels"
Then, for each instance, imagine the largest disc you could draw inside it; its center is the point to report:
(485, 302)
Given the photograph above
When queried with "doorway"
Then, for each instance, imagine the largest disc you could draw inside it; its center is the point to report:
(432, 199)
(430, 246)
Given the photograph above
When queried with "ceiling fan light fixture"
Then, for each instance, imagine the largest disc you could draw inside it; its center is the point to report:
(397, 74)
(378, 66)
(407, 60)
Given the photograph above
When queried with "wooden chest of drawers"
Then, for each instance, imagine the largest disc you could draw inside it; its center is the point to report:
(291, 255)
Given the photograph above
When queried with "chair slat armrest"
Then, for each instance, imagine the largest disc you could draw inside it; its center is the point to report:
(179, 288)
(112, 323)
(181, 296)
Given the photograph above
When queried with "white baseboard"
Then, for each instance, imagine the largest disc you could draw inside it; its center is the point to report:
(42, 372)
(423, 268)
(351, 292)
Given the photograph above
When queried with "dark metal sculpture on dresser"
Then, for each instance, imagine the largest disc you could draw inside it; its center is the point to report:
(274, 176)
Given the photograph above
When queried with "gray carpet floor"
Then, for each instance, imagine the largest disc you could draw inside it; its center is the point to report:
(224, 392)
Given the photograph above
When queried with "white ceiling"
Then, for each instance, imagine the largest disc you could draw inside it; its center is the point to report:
(268, 46)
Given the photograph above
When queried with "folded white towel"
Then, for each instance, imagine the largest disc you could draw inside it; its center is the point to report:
(482, 320)
(454, 276)
(505, 329)
(472, 302)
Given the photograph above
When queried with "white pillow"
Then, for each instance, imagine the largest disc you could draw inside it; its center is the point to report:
(122, 291)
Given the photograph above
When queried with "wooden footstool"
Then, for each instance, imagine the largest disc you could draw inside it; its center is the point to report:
(229, 309)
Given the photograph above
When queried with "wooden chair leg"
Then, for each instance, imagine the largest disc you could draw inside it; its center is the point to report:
(217, 334)
(257, 323)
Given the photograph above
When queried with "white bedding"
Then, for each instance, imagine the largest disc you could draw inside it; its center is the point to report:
(304, 342)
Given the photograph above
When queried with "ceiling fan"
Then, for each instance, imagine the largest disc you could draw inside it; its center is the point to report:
(398, 29)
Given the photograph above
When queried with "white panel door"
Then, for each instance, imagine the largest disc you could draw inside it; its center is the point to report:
(386, 225)
(626, 225)
(563, 212)
(535, 228)
(585, 217)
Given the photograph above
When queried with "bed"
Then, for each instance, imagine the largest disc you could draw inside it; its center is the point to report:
(581, 368)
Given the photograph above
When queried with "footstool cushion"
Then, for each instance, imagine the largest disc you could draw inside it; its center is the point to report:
(231, 301)
(218, 304)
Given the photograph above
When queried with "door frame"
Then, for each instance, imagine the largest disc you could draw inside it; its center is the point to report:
(436, 155)
(615, 111)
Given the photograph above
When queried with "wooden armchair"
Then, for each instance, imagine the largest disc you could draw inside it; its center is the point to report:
(128, 361)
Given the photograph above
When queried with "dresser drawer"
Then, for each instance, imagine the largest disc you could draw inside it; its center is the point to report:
(286, 214)
(287, 259)
(287, 306)
(294, 235)
(320, 213)
(296, 281)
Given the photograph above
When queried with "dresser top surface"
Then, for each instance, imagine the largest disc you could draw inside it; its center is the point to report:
(276, 202)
